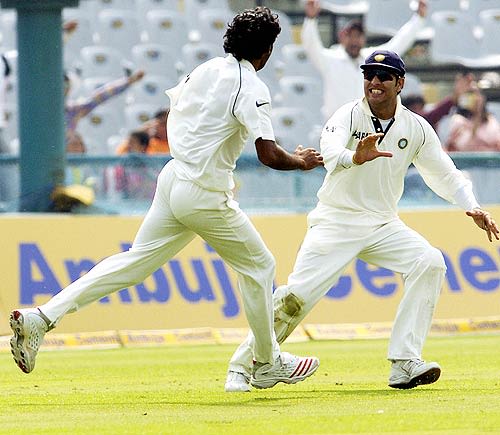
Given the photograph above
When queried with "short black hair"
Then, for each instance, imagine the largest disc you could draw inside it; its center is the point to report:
(413, 99)
(252, 33)
(141, 136)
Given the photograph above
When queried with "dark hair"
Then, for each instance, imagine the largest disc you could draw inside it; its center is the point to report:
(252, 33)
(141, 136)
(353, 25)
(412, 99)
(161, 114)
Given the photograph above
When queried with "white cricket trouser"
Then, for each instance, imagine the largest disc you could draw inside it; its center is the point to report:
(180, 210)
(328, 248)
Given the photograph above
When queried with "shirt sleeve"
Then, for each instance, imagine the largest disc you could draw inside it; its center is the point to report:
(334, 139)
(312, 43)
(402, 41)
(252, 108)
(440, 173)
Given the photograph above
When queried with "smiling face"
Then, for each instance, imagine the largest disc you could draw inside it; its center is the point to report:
(381, 90)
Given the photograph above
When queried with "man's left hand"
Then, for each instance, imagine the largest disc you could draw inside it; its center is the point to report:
(484, 221)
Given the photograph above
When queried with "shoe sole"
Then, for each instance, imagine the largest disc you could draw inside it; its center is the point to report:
(241, 389)
(17, 348)
(428, 377)
(269, 383)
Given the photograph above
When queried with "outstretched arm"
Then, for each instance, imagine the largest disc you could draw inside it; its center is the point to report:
(272, 155)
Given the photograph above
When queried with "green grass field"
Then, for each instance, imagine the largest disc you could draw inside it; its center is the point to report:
(179, 390)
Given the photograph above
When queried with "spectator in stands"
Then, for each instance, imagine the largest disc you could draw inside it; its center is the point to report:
(416, 103)
(339, 65)
(133, 179)
(74, 111)
(472, 128)
(157, 130)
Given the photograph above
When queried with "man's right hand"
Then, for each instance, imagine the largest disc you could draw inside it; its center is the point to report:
(311, 158)
(367, 150)
(312, 8)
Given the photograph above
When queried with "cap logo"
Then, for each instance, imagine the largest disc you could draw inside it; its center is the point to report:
(379, 57)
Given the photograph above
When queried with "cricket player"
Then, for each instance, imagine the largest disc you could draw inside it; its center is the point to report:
(212, 112)
(367, 146)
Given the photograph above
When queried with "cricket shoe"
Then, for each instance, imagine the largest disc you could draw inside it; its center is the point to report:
(237, 382)
(410, 373)
(29, 326)
(288, 368)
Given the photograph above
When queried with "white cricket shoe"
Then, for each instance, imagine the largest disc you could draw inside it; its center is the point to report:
(410, 373)
(237, 382)
(288, 368)
(29, 327)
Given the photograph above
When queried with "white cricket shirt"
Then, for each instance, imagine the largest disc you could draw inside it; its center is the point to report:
(212, 112)
(369, 193)
(342, 80)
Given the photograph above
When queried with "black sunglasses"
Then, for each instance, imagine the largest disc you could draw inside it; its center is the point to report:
(383, 76)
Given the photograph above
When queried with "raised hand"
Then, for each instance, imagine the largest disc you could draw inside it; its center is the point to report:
(484, 221)
(312, 8)
(367, 149)
(311, 158)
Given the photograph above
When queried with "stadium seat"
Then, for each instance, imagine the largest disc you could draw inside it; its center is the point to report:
(81, 37)
(454, 40)
(413, 85)
(346, 7)
(192, 8)
(100, 61)
(444, 5)
(154, 59)
(302, 92)
(11, 113)
(385, 17)
(8, 29)
(476, 6)
(151, 90)
(11, 90)
(138, 114)
(168, 28)
(193, 54)
(114, 4)
(100, 124)
(292, 126)
(212, 25)
(118, 28)
(286, 35)
(296, 63)
(144, 6)
(489, 21)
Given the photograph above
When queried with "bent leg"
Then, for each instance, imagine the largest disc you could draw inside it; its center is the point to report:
(326, 251)
(403, 250)
(159, 238)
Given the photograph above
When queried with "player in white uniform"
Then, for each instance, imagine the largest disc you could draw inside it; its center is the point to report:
(212, 112)
(356, 216)
(339, 64)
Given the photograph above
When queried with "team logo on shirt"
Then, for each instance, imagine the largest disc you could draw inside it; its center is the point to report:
(261, 103)
(403, 143)
(330, 128)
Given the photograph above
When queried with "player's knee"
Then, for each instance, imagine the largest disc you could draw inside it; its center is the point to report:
(433, 259)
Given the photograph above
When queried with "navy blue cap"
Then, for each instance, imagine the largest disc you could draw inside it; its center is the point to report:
(387, 60)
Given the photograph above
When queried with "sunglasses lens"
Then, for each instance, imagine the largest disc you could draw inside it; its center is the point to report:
(383, 76)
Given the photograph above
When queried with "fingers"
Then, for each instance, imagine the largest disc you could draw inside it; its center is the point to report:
(384, 154)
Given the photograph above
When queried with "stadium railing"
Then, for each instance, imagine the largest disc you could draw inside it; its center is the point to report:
(125, 184)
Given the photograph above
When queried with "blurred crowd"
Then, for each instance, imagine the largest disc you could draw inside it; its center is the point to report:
(116, 105)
